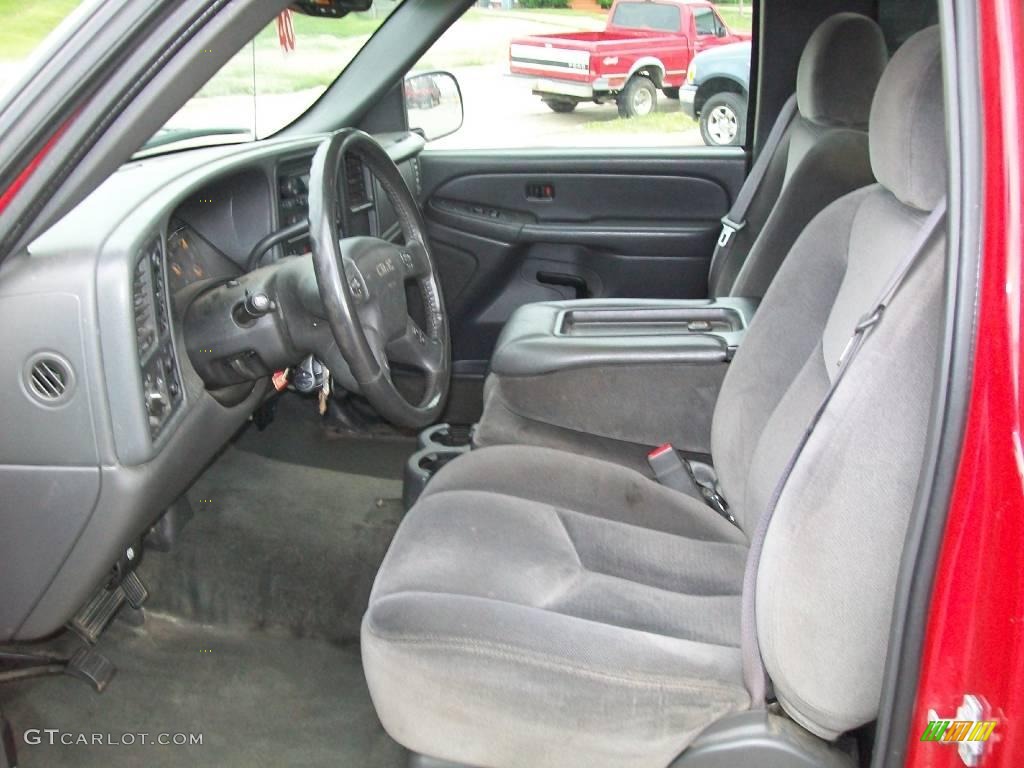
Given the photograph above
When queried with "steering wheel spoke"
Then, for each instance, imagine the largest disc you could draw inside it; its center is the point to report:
(416, 349)
(415, 260)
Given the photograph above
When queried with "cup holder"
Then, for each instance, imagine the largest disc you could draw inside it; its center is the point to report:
(446, 436)
(439, 445)
(433, 461)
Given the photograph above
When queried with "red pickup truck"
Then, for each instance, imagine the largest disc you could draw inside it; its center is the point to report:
(645, 46)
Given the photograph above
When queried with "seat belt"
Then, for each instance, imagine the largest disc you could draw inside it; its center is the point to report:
(684, 475)
(736, 218)
(754, 674)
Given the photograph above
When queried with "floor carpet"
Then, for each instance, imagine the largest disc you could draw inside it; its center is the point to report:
(251, 636)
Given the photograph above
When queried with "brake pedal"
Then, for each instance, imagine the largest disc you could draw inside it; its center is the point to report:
(95, 615)
(91, 666)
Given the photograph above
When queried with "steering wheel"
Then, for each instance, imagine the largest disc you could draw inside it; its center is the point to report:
(362, 283)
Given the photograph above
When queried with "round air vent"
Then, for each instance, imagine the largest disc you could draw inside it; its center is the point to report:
(49, 378)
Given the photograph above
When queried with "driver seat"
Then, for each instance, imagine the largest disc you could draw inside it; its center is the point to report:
(539, 608)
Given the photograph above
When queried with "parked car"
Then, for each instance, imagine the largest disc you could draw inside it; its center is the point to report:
(715, 94)
(422, 92)
(645, 46)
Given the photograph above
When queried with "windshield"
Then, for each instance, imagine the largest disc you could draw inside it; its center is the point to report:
(271, 81)
(264, 87)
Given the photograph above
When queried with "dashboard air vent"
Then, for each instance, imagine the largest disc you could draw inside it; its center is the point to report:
(355, 175)
(49, 379)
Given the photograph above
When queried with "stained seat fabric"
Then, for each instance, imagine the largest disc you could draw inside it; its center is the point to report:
(539, 608)
(616, 615)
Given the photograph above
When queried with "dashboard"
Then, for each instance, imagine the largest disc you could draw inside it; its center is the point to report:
(191, 258)
(120, 421)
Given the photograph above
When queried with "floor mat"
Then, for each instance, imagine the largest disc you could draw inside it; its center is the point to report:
(274, 543)
(254, 698)
(253, 627)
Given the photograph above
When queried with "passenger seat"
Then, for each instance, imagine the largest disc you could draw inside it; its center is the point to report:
(821, 155)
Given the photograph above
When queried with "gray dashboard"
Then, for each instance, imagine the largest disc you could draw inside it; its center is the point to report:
(105, 422)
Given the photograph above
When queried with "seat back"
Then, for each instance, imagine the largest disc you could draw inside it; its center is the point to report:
(828, 568)
(822, 156)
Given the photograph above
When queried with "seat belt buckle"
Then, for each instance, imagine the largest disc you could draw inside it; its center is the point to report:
(729, 228)
(668, 468)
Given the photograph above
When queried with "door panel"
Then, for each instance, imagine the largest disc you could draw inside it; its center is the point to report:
(509, 228)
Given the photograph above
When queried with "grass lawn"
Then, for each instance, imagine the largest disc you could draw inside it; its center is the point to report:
(23, 25)
(732, 17)
(564, 12)
(659, 122)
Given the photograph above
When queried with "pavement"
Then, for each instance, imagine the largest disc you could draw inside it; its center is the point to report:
(501, 112)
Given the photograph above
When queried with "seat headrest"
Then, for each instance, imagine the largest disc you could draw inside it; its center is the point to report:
(907, 134)
(839, 70)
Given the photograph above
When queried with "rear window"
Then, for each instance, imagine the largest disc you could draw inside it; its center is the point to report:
(647, 15)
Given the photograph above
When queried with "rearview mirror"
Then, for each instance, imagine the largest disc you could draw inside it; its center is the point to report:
(331, 9)
(433, 102)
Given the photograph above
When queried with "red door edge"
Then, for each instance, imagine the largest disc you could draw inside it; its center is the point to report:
(26, 172)
(974, 640)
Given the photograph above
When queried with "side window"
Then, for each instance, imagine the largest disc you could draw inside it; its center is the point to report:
(704, 19)
(541, 77)
(720, 29)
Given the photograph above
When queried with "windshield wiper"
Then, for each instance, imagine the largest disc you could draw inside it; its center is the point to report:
(174, 135)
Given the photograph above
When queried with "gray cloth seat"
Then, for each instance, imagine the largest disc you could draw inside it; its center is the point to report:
(623, 593)
(539, 608)
(823, 155)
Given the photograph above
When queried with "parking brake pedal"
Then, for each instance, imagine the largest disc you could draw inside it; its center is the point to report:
(91, 666)
(8, 752)
(94, 616)
(85, 663)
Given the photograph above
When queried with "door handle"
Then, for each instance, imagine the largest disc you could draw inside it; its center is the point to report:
(544, 192)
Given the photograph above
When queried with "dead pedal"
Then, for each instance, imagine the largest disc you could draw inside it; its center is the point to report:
(95, 615)
(91, 666)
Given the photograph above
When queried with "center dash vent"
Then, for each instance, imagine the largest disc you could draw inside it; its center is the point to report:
(355, 176)
(49, 379)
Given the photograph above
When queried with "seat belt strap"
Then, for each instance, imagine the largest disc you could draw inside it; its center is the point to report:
(754, 674)
(736, 218)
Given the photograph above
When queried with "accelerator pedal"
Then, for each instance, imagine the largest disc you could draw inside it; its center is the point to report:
(96, 614)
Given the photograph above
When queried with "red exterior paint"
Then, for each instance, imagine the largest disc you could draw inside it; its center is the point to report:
(975, 634)
(27, 171)
(610, 56)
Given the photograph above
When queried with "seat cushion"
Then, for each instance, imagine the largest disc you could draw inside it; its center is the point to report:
(591, 622)
(586, 484)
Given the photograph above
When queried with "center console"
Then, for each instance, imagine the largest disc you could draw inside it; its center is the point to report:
(559, 335)
(600, 366)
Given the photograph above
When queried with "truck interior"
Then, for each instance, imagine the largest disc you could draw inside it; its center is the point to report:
(338, 448)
